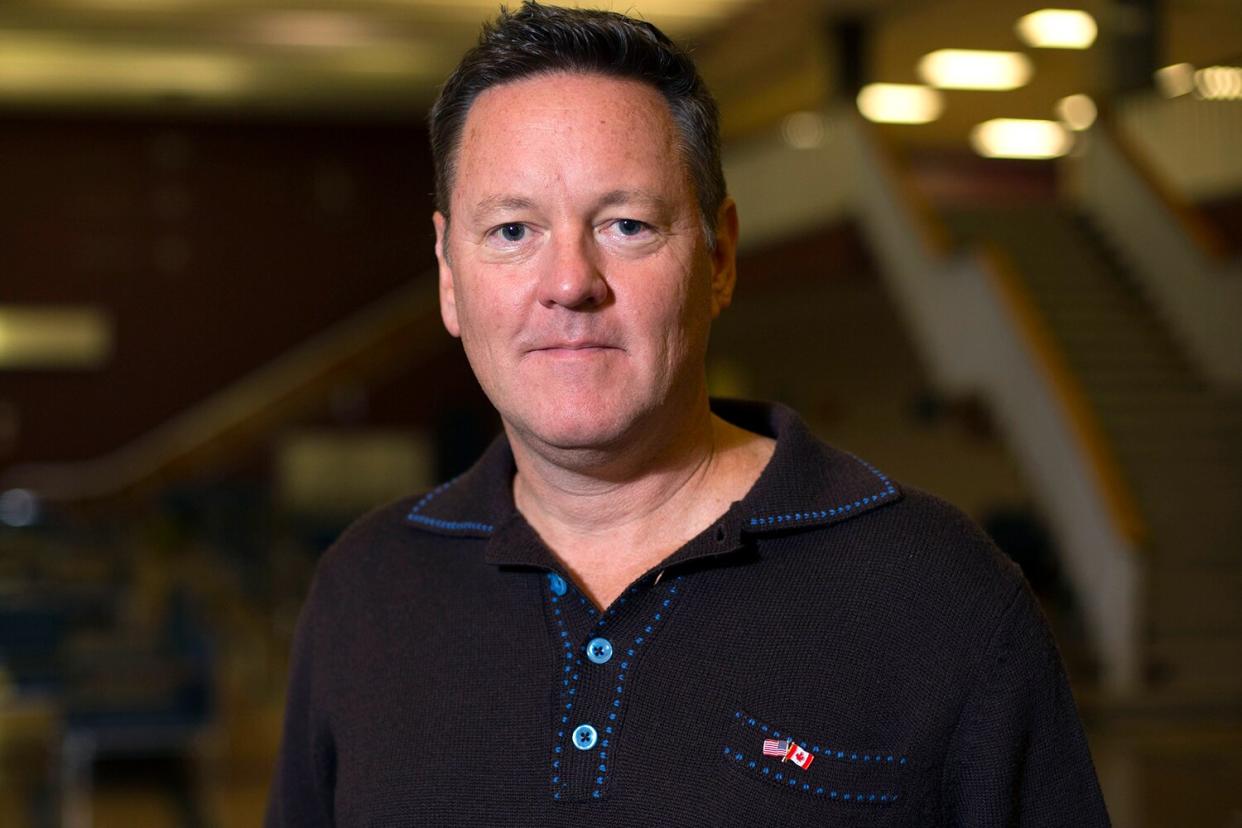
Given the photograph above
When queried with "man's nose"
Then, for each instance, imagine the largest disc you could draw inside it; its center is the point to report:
(573, 278)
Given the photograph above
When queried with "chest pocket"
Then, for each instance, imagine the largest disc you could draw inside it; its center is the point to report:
(861, 784)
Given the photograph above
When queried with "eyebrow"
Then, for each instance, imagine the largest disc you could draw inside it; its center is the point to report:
(500, 204)
(613, 198)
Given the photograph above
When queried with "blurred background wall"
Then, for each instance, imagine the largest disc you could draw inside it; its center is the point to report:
(995, 251)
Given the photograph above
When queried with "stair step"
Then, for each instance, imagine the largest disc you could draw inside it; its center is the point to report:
(1198, 545)
(1104, 315)
(1117, 340)
(1071, 290)
(1219, 444)
(1222, 421)
(1178, 443)
(1196, 663)
(1141, 386)
(1119, 373)
(1118, 336)
(1193, 396)
(1202, 482)
(1200, 599)
(1128, 362)
(1154, 460)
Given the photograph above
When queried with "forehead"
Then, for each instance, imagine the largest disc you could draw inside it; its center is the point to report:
(569, 130)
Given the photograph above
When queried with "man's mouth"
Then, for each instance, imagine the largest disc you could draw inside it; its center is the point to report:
(574, 345)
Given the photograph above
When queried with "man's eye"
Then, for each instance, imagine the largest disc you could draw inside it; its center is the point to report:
(512, 232)
(630, 227)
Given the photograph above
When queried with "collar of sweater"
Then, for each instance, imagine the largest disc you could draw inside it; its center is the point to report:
(806, 485)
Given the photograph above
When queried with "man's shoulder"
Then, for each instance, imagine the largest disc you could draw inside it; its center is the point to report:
(922, 550)
(848, 513)
(938, 535)
(381, 539)
(884, 532)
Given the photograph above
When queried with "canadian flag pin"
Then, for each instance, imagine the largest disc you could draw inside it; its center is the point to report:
(800, 756)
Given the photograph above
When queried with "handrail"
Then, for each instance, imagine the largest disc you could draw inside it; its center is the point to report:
(1198, 294)
(1199, 230)
(1067, 390)
(1069, 395)
(980, 333)
(369, 343)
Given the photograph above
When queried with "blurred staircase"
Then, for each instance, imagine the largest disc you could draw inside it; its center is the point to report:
(1177, 441)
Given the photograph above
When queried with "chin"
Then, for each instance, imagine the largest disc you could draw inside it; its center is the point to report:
(568, 425)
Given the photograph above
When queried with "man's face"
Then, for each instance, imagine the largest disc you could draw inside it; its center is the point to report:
(575, 268)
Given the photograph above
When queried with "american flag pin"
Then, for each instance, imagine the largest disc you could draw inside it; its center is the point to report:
(776, 747)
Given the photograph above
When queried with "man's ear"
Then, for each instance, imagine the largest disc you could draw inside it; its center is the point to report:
(724, 257)
(448, 296)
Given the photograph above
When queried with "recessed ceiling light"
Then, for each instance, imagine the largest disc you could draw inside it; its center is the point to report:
(1020, 138)
(311, 29)
(1219, 83)
(18, 507)
(900, 103)
(975, 69)
(1078, 112)
(36, 66)
(1057, 29)
(803, 130)
(1176, 80)
(49, 337)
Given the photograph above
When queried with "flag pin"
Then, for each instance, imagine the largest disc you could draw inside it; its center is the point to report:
(789, 751)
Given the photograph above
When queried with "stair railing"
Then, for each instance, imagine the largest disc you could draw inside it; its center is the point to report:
(372, 342)
(1179, 263)
(979, 331)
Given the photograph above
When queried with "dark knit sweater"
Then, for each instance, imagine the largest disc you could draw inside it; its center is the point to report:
(440, 679)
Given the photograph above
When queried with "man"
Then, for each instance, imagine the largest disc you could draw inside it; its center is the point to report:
(641, 607)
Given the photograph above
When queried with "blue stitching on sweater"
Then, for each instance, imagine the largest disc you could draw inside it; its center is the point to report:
(820, 514)
(569, 683)
(869, 798)
(437, 523)
(602, 779)
(880, 757)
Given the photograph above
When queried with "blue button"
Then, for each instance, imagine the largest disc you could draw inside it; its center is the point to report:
(557, 583)
(599, 650)
(584, 737)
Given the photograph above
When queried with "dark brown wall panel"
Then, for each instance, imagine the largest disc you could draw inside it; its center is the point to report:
(215, 247)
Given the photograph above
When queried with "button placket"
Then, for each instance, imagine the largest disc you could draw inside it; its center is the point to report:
(592, 688)
(565, 618)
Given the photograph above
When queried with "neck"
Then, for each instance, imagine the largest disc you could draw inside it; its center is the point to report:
(610, 520)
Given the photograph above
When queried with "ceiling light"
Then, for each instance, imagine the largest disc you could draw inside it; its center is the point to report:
(1219, 83)
(312, 29)
(1078, 112)
(1176, 80)
(975, 69)
(1057, 29)
(900, 103)
(1020, 138)
(35, 66)
(53, 337)
(18, 507)
(803, 130)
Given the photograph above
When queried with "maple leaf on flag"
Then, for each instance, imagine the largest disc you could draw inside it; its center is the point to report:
(799, 756)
